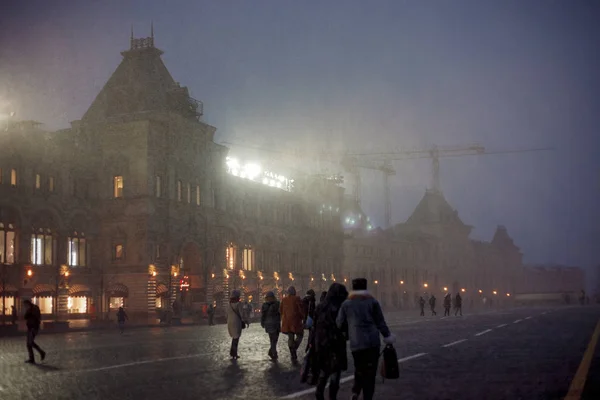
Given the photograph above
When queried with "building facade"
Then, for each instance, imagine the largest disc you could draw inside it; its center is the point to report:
(133, 206)
(431, 253)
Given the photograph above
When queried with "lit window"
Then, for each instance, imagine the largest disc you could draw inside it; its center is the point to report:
(157, 186)
(13, 177)
(189, 193)
(118, 186)
(178, 190)
(77, 250)
(119, 252)
(197, 195)
(248, 259)
(42, 246)
(51, 184)
(38, 181)
(7, 244)
(230, 256)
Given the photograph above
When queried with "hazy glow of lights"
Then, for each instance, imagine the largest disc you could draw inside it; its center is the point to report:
(369, 227)
(425, 285)
(254, 172)
(445, 289)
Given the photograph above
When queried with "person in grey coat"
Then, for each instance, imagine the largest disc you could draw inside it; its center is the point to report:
(235, 322)
(362, 315)
(270, 320)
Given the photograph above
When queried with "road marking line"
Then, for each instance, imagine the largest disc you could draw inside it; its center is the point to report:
(528, 318)
(576, 389)
(346, 379)
(501, 325)
(483, 332)
(455, 343)
(132, 364)
(517, 321)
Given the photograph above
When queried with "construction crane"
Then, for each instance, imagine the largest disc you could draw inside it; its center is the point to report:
(434, 153)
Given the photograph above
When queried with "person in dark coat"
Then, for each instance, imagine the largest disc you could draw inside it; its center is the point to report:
(323, 297)
(309, 303)
(447, 304)
(33, 318)
(432, 305)
(270, 320)
(422, 305)
(211, 315)
(329, 342)
(457, 304)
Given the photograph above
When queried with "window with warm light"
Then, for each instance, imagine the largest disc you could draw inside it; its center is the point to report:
(178, 190)
(119, 252)
(157, 186)
(38, 181)
(197, 195)
(7, 243)
(189, 193)
(51, 184)
(42, 247)
(117, 186)
(248, 259)
(77, 250)
(13, 177)
(230, 256)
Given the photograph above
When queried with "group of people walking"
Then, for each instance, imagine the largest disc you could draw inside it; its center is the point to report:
(339, 316)
(447, 304)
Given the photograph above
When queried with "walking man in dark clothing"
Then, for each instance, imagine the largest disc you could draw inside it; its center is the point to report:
(447, 304)
(422, 305)
(457, 304)
(121, 317)
(270, 320)
(432, 305)
(33, 318)
(211, 315)
(362, 315)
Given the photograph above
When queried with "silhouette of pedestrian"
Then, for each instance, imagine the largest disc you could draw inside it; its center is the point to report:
(457, 304)
(422, 305)
(432, 305)
(33, 318)
(447, 304)
(13, 313)
(121, 317)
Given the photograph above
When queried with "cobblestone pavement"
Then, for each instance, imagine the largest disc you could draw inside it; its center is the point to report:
(535, 357)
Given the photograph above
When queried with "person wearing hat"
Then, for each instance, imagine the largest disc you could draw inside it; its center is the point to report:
(270, 320)
(235, 322)
(292, 320)
(362, 315)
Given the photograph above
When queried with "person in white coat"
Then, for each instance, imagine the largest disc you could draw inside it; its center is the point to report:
(235, 322)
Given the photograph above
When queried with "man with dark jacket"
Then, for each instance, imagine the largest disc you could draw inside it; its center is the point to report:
(270, 320)
(329, 342)
(365, 321)
(309, 303)
(33, 318)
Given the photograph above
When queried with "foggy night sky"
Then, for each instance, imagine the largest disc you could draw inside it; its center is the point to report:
(368, 75)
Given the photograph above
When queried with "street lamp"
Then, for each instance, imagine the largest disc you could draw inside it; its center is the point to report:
(376, 282)
(495, 292)
(425, 285)
(402, 282)
(463, 290)
(480, 291)
(507, 294)
(445, 289)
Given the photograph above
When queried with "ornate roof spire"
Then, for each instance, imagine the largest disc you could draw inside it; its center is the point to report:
(142, 43)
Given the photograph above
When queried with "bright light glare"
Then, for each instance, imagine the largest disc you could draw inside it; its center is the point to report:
(254, 172)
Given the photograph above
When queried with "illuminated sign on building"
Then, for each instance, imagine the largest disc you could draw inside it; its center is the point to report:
(256, 173)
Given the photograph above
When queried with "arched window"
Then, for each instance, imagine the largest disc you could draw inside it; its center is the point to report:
(42, 247)
(77, 251)
(7, 243)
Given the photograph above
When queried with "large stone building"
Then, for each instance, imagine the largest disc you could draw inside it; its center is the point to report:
(134, 206)
(430, 253)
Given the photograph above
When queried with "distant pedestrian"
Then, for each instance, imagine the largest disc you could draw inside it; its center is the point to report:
(422, 305)
(292, 321)
(447, 304)
(323, 297)
(270, 320)
(33, 319)
(13, 314)
(235, 323)
(457, 304)
(211, 315)
(362, 315)
(121, 317)
(432, 305)
(309, 302)
(329, 342)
